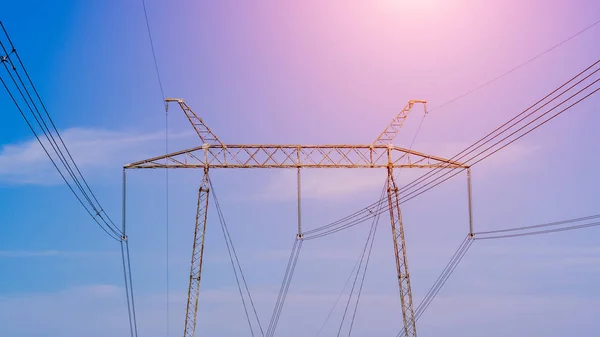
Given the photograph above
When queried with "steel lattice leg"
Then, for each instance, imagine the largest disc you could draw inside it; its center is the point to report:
(408, 313)
(197, 253)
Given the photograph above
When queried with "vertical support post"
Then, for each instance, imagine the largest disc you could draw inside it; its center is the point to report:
(124, 200)
(408, 314)
(298, 150)
(123, 240)
(299, 207)
(470, 196)
(197, 254)
(127, 266)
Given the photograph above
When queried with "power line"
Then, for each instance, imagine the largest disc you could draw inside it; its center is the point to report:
(520, 231)
(552, 227)
(550, 224)
(367, 208)
(506, 127)
(112, 235)
(442, 279)
(162, 93)
(515, 68)
(593, 224)
(127, 263)
(415, 188)
(94, 209)
(125, 274)
(500, 77)
(358, 260)
(153, 52)
(285, 285)
(370, 239)
(44, 108)
(517, 138)
(362, 281)
(235, 262)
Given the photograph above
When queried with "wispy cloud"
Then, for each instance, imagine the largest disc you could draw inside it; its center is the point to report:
(92, 149)
(100, 310)
(506, 158)
(96, 149)
(321, 184)
(51, 253)
(24, 253)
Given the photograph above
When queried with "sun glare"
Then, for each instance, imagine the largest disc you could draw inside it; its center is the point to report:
(420, 5)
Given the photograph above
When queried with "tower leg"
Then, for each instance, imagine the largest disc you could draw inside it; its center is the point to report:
(197, 253)
(408, 313)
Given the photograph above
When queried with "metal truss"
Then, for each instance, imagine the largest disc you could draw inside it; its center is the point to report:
(203, 131)
(214, 154)
(406, 302)
(294, 156)
(197, 254)
(389, 134)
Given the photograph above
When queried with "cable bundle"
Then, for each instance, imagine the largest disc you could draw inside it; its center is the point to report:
(569, 94)
(26, 98)
(552, 227)
(235, 264)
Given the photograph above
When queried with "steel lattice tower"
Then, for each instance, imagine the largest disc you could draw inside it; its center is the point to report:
(381, 154)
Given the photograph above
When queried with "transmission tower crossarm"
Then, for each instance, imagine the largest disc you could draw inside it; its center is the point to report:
(380, 154)
(295, 156)
(197, 255)
(391, 131)
(203, 131)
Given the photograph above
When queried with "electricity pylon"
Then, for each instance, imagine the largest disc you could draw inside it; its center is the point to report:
(213, 154)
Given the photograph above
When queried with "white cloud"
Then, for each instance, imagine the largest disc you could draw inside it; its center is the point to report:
(25, 253)
(50, 253)
(92, 149)
(100, 310)
(319, 184)
(508, 157)
(95, 149)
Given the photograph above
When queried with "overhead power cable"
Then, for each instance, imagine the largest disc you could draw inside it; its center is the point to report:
(515, 68)
(362, 281)
(357, 267)
(441, 280)
(285, 285)
(477, 152)
(415, 192)
(164, 103)
(370, 238)
(49, 137)
(368, 246)
(546, 228)
(455, 158)
(485, 84)
(507, 126)
(153, 53)
(236, 265)
(358, 260)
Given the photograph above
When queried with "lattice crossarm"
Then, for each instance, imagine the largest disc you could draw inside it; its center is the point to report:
(391, 131)
(294, 156)
(203, 131)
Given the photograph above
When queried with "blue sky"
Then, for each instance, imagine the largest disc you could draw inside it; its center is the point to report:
(311, 73)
